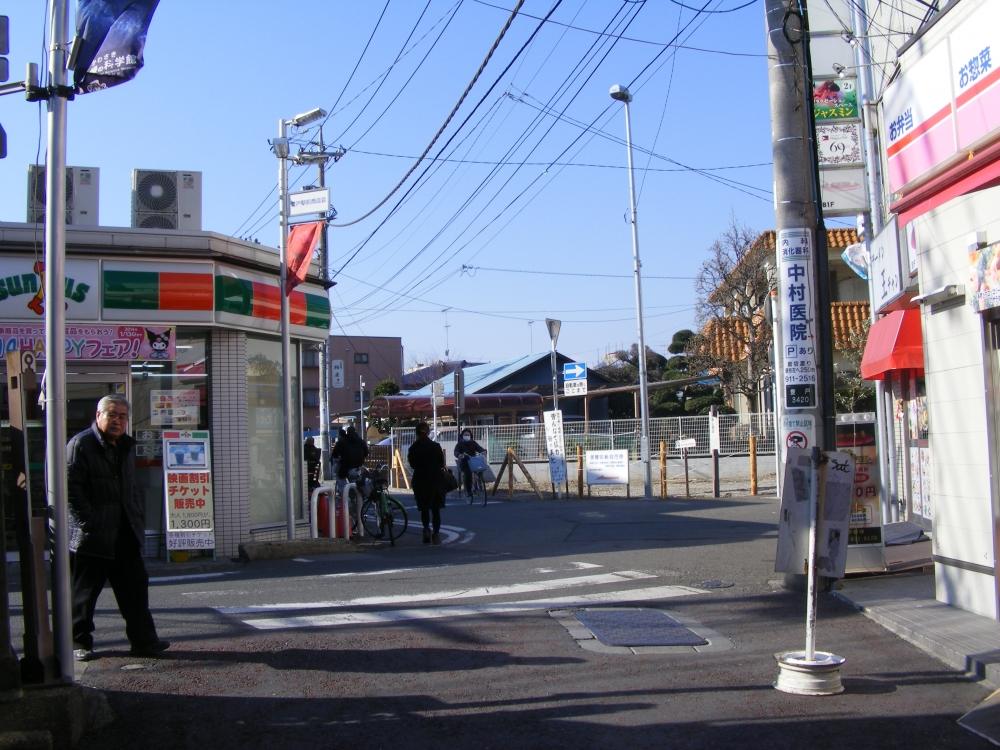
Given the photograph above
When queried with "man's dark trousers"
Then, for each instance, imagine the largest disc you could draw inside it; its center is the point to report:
(130, 582)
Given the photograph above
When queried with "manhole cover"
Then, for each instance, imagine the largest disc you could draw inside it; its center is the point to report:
(637, 627)
(715, 583)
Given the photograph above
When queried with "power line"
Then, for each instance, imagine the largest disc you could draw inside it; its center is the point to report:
(573, 273)
(448, 120)
(632, 38)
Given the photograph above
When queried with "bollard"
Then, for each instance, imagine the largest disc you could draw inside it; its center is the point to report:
(579, 471)
(753, 464)
(687, 481)
(663, 470)
(510, 472)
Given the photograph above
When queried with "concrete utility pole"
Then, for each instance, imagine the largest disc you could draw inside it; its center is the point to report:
(320, 158)
(805, 345)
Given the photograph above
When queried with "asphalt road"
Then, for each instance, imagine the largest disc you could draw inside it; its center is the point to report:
(467, 644)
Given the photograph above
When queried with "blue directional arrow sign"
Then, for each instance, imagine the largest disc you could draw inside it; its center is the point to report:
(574, 371)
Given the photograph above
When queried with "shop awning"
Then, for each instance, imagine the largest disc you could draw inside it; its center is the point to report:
(895, 342)
(416, 406)
(979, 171)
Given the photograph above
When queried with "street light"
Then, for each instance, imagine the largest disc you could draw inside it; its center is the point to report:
(621, 94)
(280, 147)
(554, 326)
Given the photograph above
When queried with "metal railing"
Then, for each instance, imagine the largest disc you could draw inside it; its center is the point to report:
(528, 440)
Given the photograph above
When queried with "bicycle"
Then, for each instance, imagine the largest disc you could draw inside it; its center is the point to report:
(381, 513)
(477, 474)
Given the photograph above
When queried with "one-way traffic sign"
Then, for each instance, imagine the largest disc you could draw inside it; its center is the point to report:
(574, 371)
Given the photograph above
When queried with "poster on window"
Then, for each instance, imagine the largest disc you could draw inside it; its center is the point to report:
(984, 277)
(188, 497)
(174, 408)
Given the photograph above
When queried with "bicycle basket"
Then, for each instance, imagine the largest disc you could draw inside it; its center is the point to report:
(478, 463)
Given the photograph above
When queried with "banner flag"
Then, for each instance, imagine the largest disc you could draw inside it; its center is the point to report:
(110, 35)
(302, 241)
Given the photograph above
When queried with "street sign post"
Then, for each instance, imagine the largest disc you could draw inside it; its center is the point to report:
(574, 379)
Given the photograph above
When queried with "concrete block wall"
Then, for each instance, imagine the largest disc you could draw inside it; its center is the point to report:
(230, 451)
(958, 380)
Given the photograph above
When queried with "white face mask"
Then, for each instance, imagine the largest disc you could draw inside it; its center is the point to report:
(466, 437)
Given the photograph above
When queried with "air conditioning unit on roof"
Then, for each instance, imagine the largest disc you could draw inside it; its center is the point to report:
(82, 184)
(166, 200)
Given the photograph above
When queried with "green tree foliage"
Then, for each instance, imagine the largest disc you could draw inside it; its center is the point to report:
(387, 387)
(680, 340)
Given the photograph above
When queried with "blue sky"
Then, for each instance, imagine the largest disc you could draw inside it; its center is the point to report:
(530, 195)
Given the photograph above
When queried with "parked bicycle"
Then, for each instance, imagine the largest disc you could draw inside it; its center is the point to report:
(382, 515)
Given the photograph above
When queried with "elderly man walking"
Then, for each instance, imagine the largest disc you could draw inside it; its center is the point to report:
(106, 529)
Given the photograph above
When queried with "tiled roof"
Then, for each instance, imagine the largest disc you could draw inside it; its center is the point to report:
(836, 239)
(726, 342)
(848, 317)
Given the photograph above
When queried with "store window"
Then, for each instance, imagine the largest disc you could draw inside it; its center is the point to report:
(310, 357)
(166, 396)
(266, 425)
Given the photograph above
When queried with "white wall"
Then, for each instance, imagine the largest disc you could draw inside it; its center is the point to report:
(957, 386)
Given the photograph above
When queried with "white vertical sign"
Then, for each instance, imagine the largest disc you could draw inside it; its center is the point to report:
(555, 447)
(337, 373)
(798, 324)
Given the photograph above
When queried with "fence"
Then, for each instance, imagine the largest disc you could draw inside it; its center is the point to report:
(528, 440)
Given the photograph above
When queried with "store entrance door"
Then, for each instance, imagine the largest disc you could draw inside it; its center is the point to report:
(85, 387)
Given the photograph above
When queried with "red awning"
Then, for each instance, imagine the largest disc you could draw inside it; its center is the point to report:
(895, 342)
(416, 406)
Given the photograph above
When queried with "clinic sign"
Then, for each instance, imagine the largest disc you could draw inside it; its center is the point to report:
(187, 490)
(798, 323)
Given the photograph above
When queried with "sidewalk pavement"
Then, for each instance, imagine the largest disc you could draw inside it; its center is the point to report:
(905, 605)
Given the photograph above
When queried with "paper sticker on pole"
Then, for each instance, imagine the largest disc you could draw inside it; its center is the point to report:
(797, 431)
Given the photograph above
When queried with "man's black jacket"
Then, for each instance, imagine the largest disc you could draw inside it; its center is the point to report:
(101, 481)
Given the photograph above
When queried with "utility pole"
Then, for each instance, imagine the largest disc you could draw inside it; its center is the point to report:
(320, 158)
(805, 336)
(324, 348)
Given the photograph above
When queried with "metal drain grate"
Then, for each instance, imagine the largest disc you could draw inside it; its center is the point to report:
(637, 627)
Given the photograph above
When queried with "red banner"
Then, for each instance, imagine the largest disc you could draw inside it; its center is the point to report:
(301, 243)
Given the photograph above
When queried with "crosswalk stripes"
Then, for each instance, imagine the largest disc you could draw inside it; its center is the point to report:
(406, 607)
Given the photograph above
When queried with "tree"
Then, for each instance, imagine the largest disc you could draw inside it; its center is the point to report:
(733, 287)
(679, 342)
(851, 392)
(387, 387)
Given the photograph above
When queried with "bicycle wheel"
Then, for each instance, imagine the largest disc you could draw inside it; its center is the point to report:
(394, 519)
(479, 487)
(370, 518)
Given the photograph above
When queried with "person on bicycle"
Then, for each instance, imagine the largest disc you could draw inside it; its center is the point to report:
(465, 448)
(349, 452)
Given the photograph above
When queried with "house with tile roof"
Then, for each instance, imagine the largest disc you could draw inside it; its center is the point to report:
(731, 338)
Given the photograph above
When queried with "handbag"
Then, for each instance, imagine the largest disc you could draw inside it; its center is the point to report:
(448, 480)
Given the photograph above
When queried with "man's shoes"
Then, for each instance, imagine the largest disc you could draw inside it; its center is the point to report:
(150, 650)
(83, 654)
(427, 536)
(436, 538)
